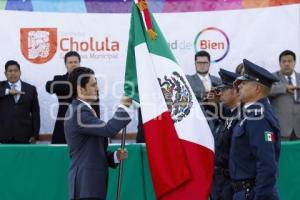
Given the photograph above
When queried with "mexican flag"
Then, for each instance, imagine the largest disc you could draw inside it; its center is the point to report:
(179, 143)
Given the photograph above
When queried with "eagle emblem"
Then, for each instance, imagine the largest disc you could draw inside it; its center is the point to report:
(177, 95)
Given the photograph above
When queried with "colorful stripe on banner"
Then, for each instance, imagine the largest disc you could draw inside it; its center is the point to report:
(201, 5)
(267, 3)
(108, 6)
(19, 5)
(77, 6)
(124, 6)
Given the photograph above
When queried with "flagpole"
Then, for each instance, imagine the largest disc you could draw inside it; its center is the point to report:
(120, 173)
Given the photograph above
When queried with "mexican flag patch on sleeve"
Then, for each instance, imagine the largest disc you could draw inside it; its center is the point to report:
(269, 136)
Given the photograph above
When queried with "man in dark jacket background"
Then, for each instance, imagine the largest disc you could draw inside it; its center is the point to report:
(19, 108)
(62, 88)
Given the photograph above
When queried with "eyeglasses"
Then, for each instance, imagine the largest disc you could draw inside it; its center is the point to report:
(202, 63)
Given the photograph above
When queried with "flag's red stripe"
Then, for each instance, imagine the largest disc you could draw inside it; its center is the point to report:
(166, 155)
(179, 169)
(201, 160)
(147, 18)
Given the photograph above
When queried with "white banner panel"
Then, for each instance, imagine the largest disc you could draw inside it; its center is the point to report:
(101, 39)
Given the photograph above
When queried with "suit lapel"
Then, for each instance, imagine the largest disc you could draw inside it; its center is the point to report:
(297, 79)
(65, 77)
(213, 80)
(76, 102)
(23, 89)
(282, 78)
(81, 104)
(198, 82)
(7, 86)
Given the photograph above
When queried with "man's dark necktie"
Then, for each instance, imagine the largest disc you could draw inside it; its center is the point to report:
(16, 97)
(290, 80)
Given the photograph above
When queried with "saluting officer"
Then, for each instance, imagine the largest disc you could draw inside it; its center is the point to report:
(229, 115)
(255, 145)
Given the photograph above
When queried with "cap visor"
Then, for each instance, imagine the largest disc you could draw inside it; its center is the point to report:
(238, 80)
(221, 86)
(224, 86)
(242, 78)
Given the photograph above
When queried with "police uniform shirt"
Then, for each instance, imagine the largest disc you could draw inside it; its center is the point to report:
(223, 136)
(255, 148)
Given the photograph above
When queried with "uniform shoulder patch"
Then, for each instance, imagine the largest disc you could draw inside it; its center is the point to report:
(270, 136)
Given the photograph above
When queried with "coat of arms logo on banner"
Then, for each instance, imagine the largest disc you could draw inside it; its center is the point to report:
(38, 45)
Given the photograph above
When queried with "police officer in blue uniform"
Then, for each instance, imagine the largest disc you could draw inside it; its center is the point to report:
(228, 117)
(255, 145)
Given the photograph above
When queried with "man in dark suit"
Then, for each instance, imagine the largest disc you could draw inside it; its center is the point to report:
(61, 87)
(86, 136)
(19, 108)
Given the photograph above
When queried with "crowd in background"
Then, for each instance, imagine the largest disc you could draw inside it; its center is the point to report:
(249, 111)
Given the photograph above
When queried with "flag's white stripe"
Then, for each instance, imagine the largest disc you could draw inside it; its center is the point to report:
(194, 127)
(152, 102)
(143, 16)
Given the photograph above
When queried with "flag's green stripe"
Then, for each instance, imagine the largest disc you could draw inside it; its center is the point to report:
(131, 84)
(2, 4)
(138, 35)
(159, 46)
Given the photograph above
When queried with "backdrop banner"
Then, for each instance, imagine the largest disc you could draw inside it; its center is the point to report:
(38, 41)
